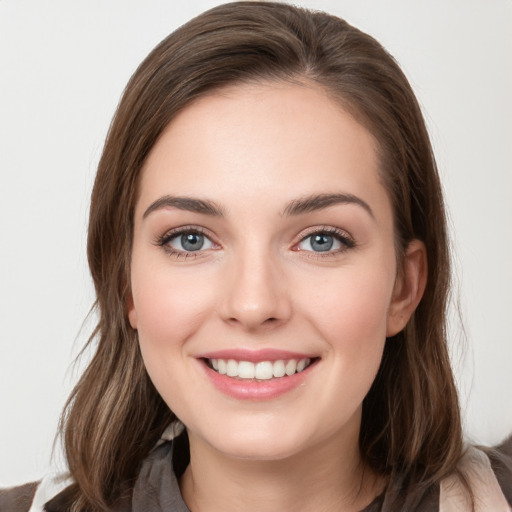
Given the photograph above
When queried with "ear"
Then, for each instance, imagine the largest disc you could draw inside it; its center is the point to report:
(132, 313)
(409, 287)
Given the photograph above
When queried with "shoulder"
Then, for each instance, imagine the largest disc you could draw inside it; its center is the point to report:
(32, 497)
(17, 499)
(488, 472)
(500, 459)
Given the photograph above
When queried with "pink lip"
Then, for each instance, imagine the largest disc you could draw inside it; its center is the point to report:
(253, 389)
(254, 356)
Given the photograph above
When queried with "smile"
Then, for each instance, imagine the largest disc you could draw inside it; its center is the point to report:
(257, 375)
(262, 370)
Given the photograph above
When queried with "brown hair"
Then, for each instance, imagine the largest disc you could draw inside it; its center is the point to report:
(411, 429)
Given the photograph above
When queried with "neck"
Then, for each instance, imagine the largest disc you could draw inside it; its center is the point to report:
(339, 482)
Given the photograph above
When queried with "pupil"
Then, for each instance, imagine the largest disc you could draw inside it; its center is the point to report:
(322, 242)
(192, 241)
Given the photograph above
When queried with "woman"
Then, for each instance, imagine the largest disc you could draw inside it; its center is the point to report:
(267, 240)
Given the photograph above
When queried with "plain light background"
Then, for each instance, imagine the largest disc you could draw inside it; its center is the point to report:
(63, 66)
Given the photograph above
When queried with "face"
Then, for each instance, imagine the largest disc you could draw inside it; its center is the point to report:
(263, 270)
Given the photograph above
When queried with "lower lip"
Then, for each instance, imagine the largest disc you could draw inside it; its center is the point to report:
(253, 389)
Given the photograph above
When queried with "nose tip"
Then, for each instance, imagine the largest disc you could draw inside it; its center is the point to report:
(252, 317)
(256, 298)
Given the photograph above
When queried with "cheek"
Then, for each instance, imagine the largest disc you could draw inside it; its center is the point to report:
(170, 306)
(350, 314)
(170, 309)
(352, 308)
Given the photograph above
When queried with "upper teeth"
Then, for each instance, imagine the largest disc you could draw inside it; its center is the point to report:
(263, 370)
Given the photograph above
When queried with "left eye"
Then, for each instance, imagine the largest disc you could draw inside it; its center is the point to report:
(190, 242)
(320, 242)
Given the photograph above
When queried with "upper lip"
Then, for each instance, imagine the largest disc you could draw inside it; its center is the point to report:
(254, 356)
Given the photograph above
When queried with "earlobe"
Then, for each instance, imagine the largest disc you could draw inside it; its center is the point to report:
(132, 314)
(409, 287)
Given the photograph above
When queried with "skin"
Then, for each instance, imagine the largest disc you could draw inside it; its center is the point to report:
(257, 284)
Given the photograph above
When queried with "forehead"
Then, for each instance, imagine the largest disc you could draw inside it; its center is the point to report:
(274, 140)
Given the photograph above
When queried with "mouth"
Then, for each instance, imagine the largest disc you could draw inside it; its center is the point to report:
(256, 375)
(259, 371)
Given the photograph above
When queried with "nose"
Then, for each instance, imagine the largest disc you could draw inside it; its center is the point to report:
(255, 294)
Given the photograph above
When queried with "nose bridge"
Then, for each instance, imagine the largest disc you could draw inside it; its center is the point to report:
(256, 295)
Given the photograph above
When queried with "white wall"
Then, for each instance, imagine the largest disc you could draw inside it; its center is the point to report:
(63, 66)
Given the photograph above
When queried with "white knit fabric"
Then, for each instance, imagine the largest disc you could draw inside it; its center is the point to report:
(49, 487)
(486, 489)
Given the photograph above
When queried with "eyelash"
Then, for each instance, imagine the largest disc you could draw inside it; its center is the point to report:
(341, 236)
(163, 241)
(346, 241)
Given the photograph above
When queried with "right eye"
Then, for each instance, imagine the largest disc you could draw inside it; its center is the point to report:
(188, 241)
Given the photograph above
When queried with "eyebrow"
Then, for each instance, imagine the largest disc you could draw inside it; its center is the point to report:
(321, 201)
(295, 207)
(189, 204)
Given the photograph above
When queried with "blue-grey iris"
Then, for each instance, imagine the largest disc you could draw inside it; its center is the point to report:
(322, 243)
(192, 241)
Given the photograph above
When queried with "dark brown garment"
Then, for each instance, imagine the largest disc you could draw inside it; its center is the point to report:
(17, 499)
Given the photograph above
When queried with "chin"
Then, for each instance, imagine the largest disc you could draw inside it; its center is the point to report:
(264, 450)
(261, 442)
